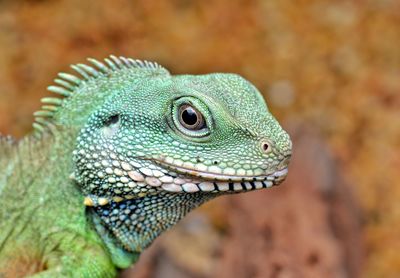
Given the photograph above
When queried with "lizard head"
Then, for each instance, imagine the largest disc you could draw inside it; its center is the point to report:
(182, 134)
(158, 145)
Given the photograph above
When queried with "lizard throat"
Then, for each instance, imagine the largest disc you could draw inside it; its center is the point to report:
(136, 223)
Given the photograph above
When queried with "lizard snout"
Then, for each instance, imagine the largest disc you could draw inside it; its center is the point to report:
(285, 162)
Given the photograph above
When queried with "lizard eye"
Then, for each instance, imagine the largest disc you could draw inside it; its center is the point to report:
(190, 118)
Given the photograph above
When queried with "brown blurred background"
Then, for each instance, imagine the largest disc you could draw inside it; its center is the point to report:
(330, 72)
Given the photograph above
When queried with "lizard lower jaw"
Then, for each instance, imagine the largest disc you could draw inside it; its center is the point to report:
(214, 183)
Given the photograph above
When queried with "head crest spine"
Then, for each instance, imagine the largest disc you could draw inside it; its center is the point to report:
(66, 84)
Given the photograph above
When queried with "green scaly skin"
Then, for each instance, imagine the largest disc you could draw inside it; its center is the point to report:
(123, 156)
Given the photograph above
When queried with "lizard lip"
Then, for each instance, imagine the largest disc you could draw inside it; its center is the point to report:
(281, 174)
(213, 182)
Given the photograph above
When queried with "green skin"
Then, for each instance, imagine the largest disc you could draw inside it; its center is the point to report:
(121, 158)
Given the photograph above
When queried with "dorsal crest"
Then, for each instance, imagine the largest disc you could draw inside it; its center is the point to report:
(66, 84)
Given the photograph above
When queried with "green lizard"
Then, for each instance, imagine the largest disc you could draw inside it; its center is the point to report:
(124, 154)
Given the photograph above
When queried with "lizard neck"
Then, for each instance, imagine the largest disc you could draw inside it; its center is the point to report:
(130, 226)
(37, 173)
(37, 198)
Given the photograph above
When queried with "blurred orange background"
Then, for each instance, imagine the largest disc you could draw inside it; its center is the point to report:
(329, 71)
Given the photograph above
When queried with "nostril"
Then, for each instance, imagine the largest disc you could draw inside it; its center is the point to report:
(266, 146)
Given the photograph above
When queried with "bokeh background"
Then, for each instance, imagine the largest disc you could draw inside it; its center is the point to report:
(330, 72)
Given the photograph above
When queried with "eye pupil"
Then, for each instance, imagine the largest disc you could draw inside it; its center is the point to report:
(189, 120)
(189, 116)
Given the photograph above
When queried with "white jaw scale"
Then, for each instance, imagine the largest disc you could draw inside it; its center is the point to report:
(135, 178)
(216, 173)
(222, 183)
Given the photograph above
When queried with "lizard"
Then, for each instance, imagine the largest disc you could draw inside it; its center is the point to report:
(122, 152)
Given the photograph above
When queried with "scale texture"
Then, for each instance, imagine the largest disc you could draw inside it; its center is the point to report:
(122, 153)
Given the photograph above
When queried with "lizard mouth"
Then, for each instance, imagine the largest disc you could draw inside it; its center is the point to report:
(192, 180)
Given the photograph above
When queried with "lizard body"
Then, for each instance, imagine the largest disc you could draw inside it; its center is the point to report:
(124, 155)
